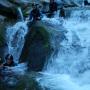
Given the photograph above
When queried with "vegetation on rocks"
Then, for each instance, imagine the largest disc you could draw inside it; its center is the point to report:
(37, 46)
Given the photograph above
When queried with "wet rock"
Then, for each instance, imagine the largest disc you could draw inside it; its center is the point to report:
(23, 82)
(27, 83)
(37, 48)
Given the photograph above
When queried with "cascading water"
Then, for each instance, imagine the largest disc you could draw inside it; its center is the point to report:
(70, 69)
(20, 14)
(15, 37)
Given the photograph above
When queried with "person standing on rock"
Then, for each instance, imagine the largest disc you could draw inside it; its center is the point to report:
(35, 13)
(52, 7)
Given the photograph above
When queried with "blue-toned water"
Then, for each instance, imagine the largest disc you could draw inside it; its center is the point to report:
(69, 69)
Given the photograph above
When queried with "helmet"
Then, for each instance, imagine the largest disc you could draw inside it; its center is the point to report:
(9, 56)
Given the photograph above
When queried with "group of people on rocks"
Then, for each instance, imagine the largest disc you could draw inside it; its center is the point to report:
(36, 14)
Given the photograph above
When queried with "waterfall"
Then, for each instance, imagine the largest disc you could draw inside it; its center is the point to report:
(20, 14)
(70, 68)
(15, 39)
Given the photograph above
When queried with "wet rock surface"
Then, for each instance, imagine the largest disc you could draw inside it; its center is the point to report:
(37, 48)
(22, 82)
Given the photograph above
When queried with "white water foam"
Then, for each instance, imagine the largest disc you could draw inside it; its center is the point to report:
(15, 39)
(70, 70)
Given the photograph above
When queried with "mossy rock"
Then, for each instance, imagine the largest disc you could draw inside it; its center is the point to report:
(2, 35)
(27, 83)
(37, 47)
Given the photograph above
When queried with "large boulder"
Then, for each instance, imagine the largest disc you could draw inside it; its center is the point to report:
(37, 48)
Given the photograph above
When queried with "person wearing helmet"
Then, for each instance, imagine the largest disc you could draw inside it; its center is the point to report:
(9, 61)
(35, 13)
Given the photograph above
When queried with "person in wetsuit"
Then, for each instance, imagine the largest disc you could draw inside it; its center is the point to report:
(5, 68)
(35, 13)
(9, 61)
(86, 2)
(52, 7)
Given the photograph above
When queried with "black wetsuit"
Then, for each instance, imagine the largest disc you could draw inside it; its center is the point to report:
(10, 65)
(35, 14)
(86, 2)
(53, 7)
(62, 13)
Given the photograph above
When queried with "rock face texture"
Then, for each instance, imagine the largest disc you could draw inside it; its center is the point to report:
(37, 48)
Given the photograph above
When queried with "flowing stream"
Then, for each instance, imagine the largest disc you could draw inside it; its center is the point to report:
(16, 37)
(70, 68)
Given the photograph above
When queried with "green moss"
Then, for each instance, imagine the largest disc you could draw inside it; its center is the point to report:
(41, 32)
(37, 46)
(27, 82)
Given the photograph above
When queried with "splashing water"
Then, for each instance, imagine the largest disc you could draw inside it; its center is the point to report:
(21, 14)
(15, 39)
(70, 69)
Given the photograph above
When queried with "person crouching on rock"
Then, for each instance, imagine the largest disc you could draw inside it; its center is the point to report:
(9, 61)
